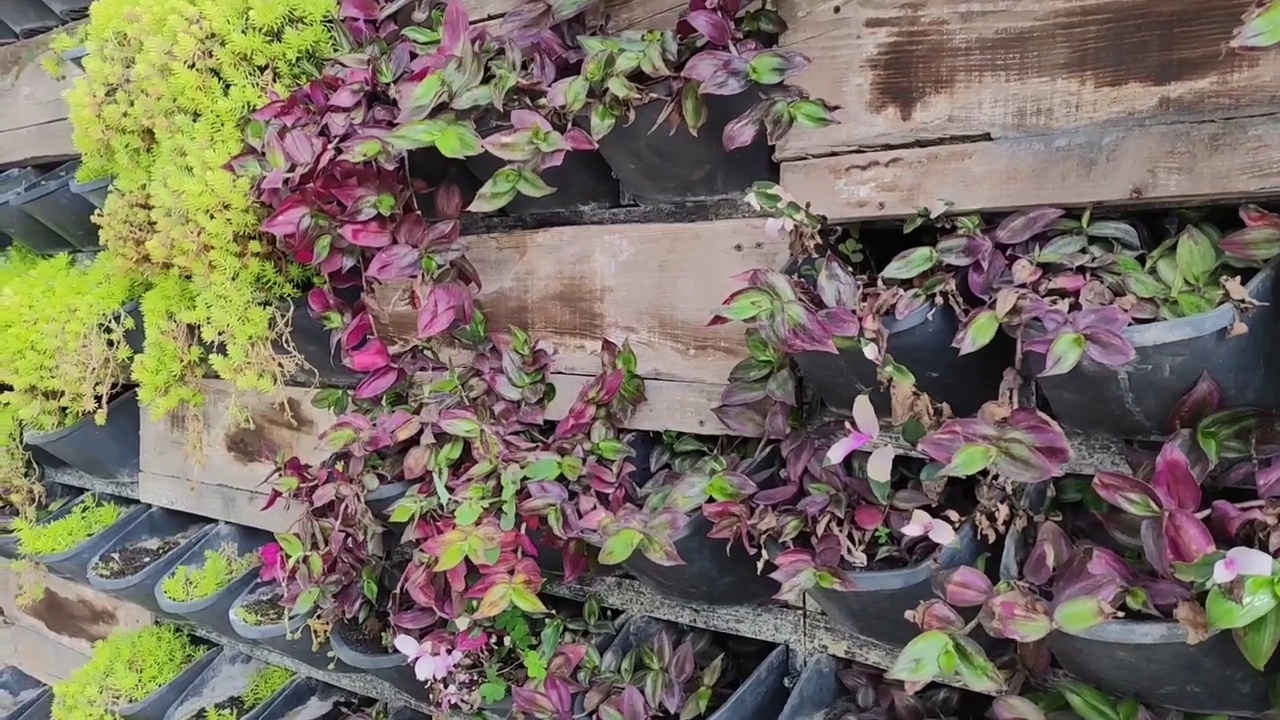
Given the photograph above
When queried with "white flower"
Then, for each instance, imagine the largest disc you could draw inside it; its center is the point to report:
(1241, 561)
(922, 523)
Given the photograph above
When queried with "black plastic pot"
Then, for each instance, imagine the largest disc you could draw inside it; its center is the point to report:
(76, 57)
(155, 705)
(657, 167)
(155, 524)
(18, 692)
(70, 9)
(9, 542)
(73, 564)
(381, 498)
(922, 343)
(390, 666)
(41, 709)
(711, 565)
(816, 690)
(307, 699)
(107, 451)
(20, 227)
(28, 18)
(312, 341)
(582, 182)
(1172, 354)
(7, 37)
(227, 674)
(760, 697)
(875, 608)
(49, 199)
(211, 612)
(1150, 660)
(95, 191)
(277, 637)
(136, 338)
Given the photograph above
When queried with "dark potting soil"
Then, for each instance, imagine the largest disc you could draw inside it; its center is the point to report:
(231, 707)
(133, 559)
(263, 611)
(364, 638)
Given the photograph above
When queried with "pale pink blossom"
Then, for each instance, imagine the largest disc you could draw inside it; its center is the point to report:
(428, 663)
(936, 529)
(1241, 561)
(864, 429)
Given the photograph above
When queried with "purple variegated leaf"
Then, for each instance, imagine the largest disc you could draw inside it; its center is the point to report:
(378, 382)
(1127, 493)
(1232, 519)
(1064, 354)
(1051, 550)
(395, 262)
(1016, 616)
(1108, 347)
(1025, 272)
(837, 287)
(743, 420)
(1267, 478)
(1261, 243)
(1154, 545)
(1254, 216)
(1186, 537)
(840, 322)
(1012, 707)
(1173, 480)
(962, 250)
(963, 586)
(713, 25)
(1026, 224)
(1205, 397)
(985, 273)
(937, 615)
(741, 131)
(1042, 433)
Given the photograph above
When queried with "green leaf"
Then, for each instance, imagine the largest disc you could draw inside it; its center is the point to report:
(1258, 640)
(290, 544)
(969, 460)
(975, 668)
(414, 135)
(620, 547)
(451, 556)
(459, 141)
(428, 93)
(530, 184)
(1088, 702)
(306, 601)
(1195, 255)
(910, 263)
(1257, 599)
(527, 601)
(1145, 286)
(544, 469)
(493, 690)
(467, 513)
(920, 660)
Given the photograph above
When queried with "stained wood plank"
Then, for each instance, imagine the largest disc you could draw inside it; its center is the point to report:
(623, 14)
(656, 285)
(1187, 163)
(917, 70)
(33, 126)
(243, 507)
(68, 616)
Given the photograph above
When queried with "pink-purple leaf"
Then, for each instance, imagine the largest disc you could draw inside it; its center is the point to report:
(1127, 493)
(1026, 224)
(1174, 481)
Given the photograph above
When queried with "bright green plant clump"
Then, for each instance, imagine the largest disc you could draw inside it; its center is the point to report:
(190, 583)
(125, 668)
(265, 683)
(168, 85)
(86, 519)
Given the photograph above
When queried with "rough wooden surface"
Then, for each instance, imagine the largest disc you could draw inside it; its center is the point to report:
(624, 14)
(33, 124)
(1186, 163)
(656, 285)
(908, 71)
(75, 478)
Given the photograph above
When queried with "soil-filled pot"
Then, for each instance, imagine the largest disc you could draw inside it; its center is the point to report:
(49, 199)
(20, 227)
(70, 9)
(875, 608)
(211, 612)
(225, 676)
(155, 705)
(307, 699)
(711, 565)
(293, 638)
(74, 563)
(95, 191)
(921, 342)
(137, 559)
(582, 182)
(313, 342)
(1138, 397)
(41, 709)
(107, 451)
(1150, 661)
(18, 692)
(368, 655)
(817, 689)
(656, 166)
(28, 18)
(761, 695)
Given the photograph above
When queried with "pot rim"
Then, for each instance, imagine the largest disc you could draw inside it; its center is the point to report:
(38, 438)
(47, 184)
(1124, 631)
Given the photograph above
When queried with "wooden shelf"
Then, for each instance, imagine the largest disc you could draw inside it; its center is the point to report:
(126, 488)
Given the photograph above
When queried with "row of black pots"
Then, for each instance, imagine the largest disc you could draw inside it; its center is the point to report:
(46, 212)
(651, 164)
(28, 18)
(108, 451)
(1138, 397)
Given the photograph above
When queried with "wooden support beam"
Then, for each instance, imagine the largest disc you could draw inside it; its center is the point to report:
(33, 124)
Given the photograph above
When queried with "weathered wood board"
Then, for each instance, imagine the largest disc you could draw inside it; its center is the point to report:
(1183, 163)
(623, 14)
(916, 71)
(33, 124)
(655, 285)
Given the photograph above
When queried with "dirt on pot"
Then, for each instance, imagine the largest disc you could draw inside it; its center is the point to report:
(262, 608)
(364, 638)
(231, 676)
(133, 559)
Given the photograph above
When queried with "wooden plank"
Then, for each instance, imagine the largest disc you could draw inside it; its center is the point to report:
(36, 656)
(1187, 163)
(243, 507)
(656, 285)
(678, 406)
(33, 126)
(623, 14)
(917, 70)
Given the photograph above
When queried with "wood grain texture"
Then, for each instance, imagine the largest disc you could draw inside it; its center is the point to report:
(655, 285)
(909, 71)
(243, 507)
(622, 14)
(33, 126)
(1187, 163)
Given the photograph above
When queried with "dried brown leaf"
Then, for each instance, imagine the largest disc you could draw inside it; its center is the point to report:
(1190, 615)
(1238, 328)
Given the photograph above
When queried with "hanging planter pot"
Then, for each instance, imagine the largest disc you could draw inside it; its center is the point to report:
(49, 199)
(28, 18)
(921, 342)
(875, 608)
(73, 563)
(711, 564)
(131, 564)
(761, 696)
(70, 10)
(307, 699)
(95, 191)
(358, 648)
(107, 451)
(135, 338)
(816, 691)
(657, 167)
(226, 676)
(75, 56)
(7, 37)
(256, 616)
(582, 182)
(155, 705)
(211, 611)
(19, 226)
(1172, 354)
(1150, 661)
(18, 692)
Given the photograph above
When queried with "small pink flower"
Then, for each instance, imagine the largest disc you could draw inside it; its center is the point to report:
(273, 564)
(864, 428)
(1241, 561)
(427, 664)
(922, 523)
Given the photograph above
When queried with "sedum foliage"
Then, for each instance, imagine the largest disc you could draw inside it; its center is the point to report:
(86, 519)
(189, 583)
(125, 668)
(167, 87)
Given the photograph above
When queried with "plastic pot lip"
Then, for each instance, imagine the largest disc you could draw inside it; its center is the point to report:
(75, 53)
(200, 664)
(79, 187)
(12, 182)
(47, 184)
(262, 632)
(130, 516)
(37, 438)
(881, 580)
(124, 582)
(362, 660)
(1135, 632)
